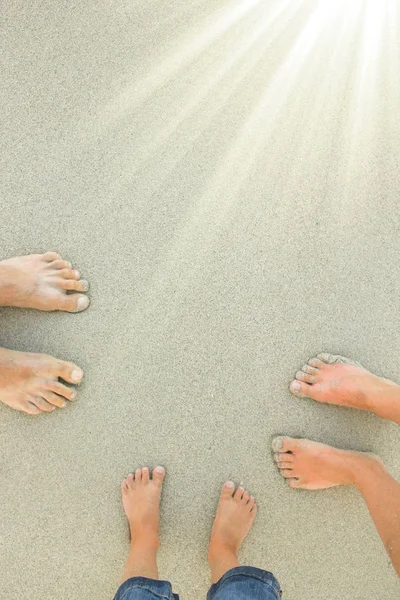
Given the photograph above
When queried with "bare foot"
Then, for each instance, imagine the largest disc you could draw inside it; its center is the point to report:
(42, 281)
(141, 500)
(313, 466)
(338, 380)
(30, 382)
(235, 515)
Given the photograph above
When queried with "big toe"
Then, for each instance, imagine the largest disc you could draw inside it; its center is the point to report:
(74, 303)
(301, 389)
(69, 372)
(227, 489)
(158, 475)
(284, 444)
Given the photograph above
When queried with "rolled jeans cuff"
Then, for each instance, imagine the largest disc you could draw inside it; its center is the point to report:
(246, 583)
(142, 588)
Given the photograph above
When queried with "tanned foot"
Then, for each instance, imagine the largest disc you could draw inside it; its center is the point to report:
(30, 382)
(313, 466)
(337, 380)
(42, 281)
(235, 515)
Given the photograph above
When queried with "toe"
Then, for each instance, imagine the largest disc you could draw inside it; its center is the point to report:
(130, 481)
(72, 285)
(305, 377)
(301, 389)
(124, 486)
(68, 274)
(246, 497)
(336, 358)
(145, 475)
(54, 399)
(294, 483)
(287, 473)
(159, 475)
(239, 494)
(138, 475)
(316, 363)
(50, 256)
(283, 456)
(251, 503)
(62, 390)
(285, 464)
(227, 489)
(73, 303)
(60, 264)
(330, 359)
(69, 372)
(80, 302)
(42, 404)
(284, 444)
(30, 409)
(310, 370)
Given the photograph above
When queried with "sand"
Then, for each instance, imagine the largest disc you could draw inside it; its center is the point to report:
(226, 176)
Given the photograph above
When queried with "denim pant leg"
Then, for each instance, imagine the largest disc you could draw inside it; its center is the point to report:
(245, 583)
(141, 588)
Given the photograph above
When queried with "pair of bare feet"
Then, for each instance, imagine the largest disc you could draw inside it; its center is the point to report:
(334, 379)
(141, 493)
(305, 464)
(310, 465)
(31, 382)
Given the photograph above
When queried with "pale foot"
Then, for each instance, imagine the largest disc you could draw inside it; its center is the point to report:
(30, 382)
(235, 515)
(42, 281)
(141, 500)
(313, 466)
(337, 380)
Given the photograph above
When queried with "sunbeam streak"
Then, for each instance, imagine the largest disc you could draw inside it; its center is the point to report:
(320, 97)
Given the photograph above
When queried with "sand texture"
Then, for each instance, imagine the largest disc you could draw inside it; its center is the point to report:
(225, 174)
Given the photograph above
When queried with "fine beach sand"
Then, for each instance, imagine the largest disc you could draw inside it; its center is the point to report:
(226, 176)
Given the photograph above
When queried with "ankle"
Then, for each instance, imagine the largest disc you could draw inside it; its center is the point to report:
(147, 542)
(221, 558)
(219, 550)
(363, 467)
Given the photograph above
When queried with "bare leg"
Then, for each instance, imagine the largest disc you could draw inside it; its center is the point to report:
(312, 466)
(42, 281)
(141, 500)
(337, 380)
(235, 515)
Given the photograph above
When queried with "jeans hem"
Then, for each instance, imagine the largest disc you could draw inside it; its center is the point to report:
(160, 589)
(253, 573)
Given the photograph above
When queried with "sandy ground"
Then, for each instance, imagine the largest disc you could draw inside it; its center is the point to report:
(226, 175)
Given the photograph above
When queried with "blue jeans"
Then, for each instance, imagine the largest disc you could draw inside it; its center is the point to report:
(240, 583)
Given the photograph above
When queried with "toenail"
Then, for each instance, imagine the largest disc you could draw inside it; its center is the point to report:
(229, 484)
(277, 444)
(77, 274)
(85, 285)
(73, 395)
(296, 385)
(83, 302)
(77, 375)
